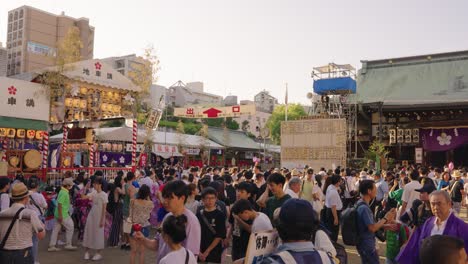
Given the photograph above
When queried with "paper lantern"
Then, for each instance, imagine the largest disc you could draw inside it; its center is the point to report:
(110, 95)
(83, 90)
(21, 133)
(68, 102)
(116, 96)
(39, 135)
(104, 107)
(31, 134)
(3, 132)
(83, 104)
(76, 103)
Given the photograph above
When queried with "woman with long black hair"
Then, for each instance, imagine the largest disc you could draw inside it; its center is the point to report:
(115, 207)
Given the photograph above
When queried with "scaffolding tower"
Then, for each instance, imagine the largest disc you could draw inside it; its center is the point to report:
(334, 84)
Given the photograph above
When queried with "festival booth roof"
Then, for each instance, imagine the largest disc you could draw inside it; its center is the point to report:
(421, 81)
(236, 139)
(159, 137)
(86, 71)
(23, 105)
(272, 148)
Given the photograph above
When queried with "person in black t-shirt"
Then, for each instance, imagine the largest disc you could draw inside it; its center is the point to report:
(230, 190)
(456, 191)
(248, 175)
(213, 228)
(240, 236)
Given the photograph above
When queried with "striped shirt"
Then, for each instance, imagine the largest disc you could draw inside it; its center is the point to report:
(22, 232)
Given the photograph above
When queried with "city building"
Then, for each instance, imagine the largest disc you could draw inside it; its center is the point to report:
(128, 64)
(230, 100)
(125, 64)
(253, 123)
(3, 60)
(246, 102)
(265, 102)
(33, 36)
(180, 94)
(156, 91)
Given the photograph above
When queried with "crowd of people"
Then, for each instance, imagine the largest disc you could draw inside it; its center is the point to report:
(195, 215)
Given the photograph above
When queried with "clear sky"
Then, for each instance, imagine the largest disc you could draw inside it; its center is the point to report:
(241, 47)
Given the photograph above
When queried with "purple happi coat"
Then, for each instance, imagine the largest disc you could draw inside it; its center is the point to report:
(455, 227)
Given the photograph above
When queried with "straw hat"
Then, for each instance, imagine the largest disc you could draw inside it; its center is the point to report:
(456, 174)
(295, 172)
(19, 191)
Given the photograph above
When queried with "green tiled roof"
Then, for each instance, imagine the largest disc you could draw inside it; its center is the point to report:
(236, 139)
(416, 81)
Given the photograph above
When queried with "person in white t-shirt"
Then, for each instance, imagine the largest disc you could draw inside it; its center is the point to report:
(409, 193)
(173, 233)
(294, 187)
(243, 212)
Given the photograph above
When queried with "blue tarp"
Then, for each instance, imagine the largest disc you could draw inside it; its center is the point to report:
(335, 86)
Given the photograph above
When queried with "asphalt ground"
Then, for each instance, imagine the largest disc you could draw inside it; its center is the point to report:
(115, 255)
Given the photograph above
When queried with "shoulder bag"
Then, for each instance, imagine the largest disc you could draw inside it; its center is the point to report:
(207, 223)
(7, 234)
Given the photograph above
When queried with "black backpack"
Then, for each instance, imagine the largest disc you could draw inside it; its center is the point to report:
(349, 227)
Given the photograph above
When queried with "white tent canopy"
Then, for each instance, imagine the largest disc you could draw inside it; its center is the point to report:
(159, 137)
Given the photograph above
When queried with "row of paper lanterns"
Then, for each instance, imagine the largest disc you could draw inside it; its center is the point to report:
(21, 133)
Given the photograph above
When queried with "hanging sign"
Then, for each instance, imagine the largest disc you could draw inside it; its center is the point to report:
(418, 155)
(21, 99)
(215, 112)
(192, 151)
(153, 119)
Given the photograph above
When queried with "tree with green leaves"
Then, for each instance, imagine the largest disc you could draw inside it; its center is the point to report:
(143, 73)
(295, 111)
(231, 123)
(53, 79)
(245, 125)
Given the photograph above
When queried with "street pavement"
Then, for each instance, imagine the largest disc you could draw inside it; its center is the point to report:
(115, 255)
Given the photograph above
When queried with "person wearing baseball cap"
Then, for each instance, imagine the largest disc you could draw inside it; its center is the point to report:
(295, 230)
(421, 209)
(16, 244)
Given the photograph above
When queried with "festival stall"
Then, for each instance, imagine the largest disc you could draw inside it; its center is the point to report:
(92, 91)
(115, 147)
(24, 115)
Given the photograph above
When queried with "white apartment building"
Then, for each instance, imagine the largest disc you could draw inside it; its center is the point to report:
(265, 102)
(181, 94)
(126, 64)
(3, 60)
(253, 123)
